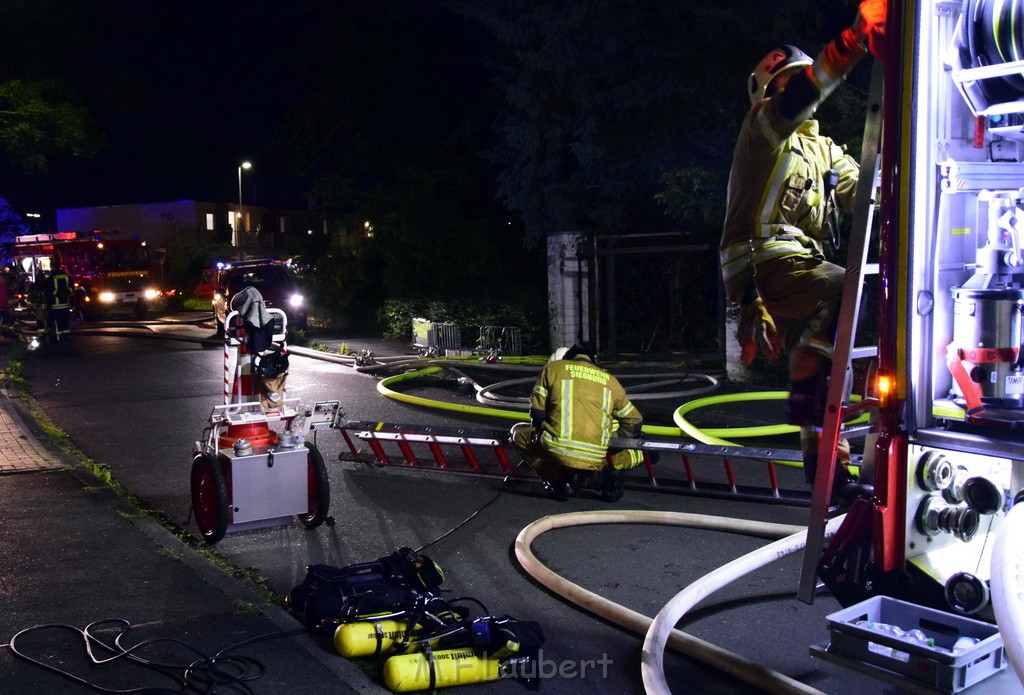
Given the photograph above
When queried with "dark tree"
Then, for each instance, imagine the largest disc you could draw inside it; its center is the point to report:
(603, 104)
(40, 114)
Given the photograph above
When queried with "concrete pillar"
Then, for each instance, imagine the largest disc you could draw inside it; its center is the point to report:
(568, 289)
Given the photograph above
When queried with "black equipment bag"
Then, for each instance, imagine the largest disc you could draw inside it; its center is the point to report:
(331, 595)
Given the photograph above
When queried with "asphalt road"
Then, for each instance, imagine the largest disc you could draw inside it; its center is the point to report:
(138, 405)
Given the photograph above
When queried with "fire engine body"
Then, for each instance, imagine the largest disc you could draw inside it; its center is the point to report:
(106, 270)
(946, 448)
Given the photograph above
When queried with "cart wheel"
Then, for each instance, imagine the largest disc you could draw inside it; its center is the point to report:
(209, 497)
(318, 488)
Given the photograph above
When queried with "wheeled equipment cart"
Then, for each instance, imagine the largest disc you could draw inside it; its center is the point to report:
(254, 466)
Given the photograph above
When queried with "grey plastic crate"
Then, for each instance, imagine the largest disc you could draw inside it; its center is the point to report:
(934, 666)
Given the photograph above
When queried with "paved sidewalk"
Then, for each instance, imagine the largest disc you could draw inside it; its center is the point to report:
(75, 552)
(20, 452)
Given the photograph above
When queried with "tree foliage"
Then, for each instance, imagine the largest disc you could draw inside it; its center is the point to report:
(605, 103)
(40, 114)
(391, 131)
(34, 128)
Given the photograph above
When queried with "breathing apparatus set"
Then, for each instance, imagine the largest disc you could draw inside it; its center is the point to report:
(392, 608)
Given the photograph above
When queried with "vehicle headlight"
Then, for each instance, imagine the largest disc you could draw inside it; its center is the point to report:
(151, 293)
(295, 301)
(106, 296)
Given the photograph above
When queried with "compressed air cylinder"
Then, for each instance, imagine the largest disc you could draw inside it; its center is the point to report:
(441, 669)
(368, 637)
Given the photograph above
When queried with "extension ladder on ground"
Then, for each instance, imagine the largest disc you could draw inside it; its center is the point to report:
(838, 406)
(708, 470)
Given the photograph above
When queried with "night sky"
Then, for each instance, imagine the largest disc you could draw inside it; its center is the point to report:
(182, 92)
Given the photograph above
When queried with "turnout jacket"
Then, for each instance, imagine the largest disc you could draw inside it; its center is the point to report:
(578, 407)
(778, 202)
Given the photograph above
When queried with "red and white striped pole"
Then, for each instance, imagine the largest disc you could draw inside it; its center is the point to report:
(227, 373)
(244, 391)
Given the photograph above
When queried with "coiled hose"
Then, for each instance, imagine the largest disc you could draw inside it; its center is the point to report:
(660, 631)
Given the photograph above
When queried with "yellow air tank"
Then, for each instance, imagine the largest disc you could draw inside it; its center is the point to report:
(422, 671)
(369, 637)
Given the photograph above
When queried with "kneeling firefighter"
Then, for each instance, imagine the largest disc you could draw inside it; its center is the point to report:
(575, 409)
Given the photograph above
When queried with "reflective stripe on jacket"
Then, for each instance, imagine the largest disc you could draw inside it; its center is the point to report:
(776, 187)
(61, 296)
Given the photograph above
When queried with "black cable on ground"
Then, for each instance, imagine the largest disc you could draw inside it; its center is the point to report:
(207, 675)
(469, 518)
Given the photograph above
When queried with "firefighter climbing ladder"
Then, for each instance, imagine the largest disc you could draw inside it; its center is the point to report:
(838, 405)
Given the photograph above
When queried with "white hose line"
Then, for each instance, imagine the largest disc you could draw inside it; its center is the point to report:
(679, 641)
(1007, 586)
(652, 665)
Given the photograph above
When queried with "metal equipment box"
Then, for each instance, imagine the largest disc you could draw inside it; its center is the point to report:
(268, 485)
(935, 667)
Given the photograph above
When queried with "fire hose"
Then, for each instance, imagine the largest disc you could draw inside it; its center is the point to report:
(660, 631)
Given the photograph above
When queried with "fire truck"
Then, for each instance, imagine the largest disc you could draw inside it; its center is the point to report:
(939, 233)
(108, 271)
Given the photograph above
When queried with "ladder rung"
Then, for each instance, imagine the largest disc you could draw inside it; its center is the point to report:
(859, 353)
(856, 431)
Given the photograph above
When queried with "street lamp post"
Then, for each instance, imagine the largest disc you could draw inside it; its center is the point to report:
(238, 217)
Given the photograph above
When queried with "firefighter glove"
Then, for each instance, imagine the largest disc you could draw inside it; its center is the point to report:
(757, 332)
(869, 26)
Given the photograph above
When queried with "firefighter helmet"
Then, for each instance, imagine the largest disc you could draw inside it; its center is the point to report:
(558, 354)
(771, 66)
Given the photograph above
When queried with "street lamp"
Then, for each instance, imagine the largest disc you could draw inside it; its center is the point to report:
(238, 218)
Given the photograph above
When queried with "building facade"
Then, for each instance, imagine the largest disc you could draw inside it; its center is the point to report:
(190, 223)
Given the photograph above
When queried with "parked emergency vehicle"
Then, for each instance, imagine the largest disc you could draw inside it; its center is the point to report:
(108, 270)
(946, 443)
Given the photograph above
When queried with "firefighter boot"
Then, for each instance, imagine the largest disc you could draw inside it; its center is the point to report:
(587, 480)
(560, 490)
(845, 488)
(612, 488)
(607, 482)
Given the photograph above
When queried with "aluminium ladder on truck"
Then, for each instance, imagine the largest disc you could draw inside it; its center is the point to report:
(838, 405)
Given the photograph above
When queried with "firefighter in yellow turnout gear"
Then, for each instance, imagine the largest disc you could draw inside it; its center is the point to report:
(60, 305)
(787, 185)
(575, 409)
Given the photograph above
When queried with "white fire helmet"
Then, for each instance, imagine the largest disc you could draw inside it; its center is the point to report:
(558, 354)
(771, 66)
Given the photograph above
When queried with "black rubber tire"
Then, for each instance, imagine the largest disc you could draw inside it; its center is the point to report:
(209, 498)
(318, 489)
